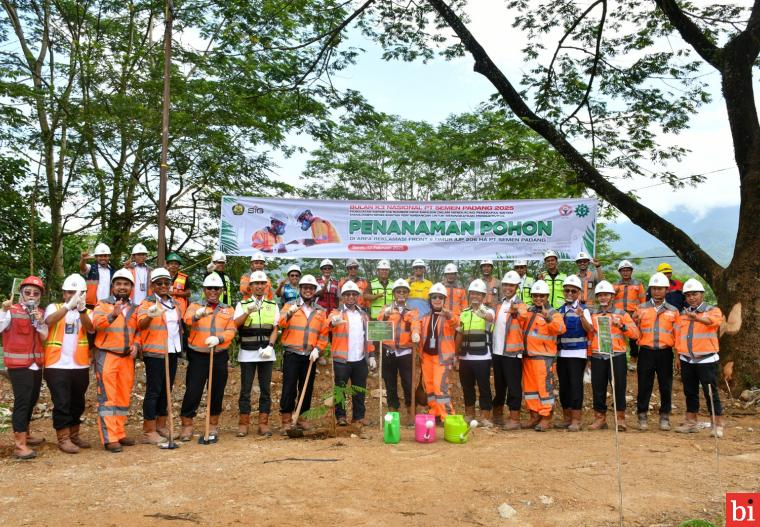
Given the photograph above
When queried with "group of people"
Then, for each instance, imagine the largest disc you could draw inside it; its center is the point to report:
(525, 332)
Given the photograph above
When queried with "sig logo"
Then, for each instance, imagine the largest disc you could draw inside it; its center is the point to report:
(255, 210)
(565, 210)
(238, 209)
(740, 509)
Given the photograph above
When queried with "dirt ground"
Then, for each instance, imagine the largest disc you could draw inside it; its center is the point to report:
(555, 478)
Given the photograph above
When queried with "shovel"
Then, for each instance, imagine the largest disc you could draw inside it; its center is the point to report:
(295, 431)
(170, 444)
(208, 438)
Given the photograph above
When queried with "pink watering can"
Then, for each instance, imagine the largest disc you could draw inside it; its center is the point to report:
(424, 428)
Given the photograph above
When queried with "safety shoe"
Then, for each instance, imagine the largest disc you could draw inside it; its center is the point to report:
(161, 427)
(150, 435)
(243, 422)
(621, 426)
(498, 415)
(514, 421)
(287, 423)
(33, 441)
(21, 450)
(544, 425)
(114, 448)
(566, 420)
(718, 432)
(342, 421)
(534, 420)
(64, 442)
(78, 441)
(643, 424)
(664, 423)
(688, 427)
(576, 422)
(127, 441)
(264, 425)
(186, 434)
(600, 421)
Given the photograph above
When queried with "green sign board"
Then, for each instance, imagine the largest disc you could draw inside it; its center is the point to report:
(604, 325)
(379, 330)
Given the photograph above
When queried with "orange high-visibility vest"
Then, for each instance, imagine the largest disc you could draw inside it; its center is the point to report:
(54, 344)
(404, 323)
(361, 283)
(539, 334)
(323, 231)
(696, 339)
(117, 335)
(456, 299)
(657, 327)
(339, 342)
(264, 240)
(629, 295)
(247, 291)
(588, 283)
(618, 335)
(445, 334)
(154, 338)
(220, 323)
(92, 280)
(514, 340)
(301, 333)
(493, 286)
(180, 284)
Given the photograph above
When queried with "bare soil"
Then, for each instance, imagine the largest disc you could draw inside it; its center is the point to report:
(555, 478)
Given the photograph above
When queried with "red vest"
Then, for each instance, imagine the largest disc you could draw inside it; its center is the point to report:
(22, 344)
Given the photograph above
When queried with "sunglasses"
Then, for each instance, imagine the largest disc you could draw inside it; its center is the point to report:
(162, 282)
(568, 291)
(437, 297)
(214, 288)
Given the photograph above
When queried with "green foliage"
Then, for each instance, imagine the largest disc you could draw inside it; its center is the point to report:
(339, 396)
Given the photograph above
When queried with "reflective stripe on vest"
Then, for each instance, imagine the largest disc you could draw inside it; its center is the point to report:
(255, 331)
(53, 346)
(378, 303)
(474, 333)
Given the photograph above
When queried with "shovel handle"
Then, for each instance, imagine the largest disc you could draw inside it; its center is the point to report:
(207, 431)
(303, 393)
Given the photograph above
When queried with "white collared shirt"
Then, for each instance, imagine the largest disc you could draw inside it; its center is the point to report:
(500, 325)
(141, 283)
(355, 335)
(173, 338)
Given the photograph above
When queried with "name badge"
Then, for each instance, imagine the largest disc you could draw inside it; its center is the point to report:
(70, 329)
(432, 342)
(142, 287)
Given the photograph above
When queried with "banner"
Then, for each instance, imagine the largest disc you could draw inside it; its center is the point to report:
(432, 230)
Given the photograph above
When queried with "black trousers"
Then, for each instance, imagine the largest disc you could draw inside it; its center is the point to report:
(651, 362)
(26, 385)
(601, 376)
(570, 374)
(393, 368)
(472, 372)
(692, 376)
(67, 389)
(247, 374)
(294, 368)
(154, 403)
(507, 380)
(196, 378)
(634, 347)
(356, 372)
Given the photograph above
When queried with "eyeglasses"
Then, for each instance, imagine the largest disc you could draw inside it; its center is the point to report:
(437, 297)
(162, 282)
(569, 291)
(293, 275)
(214, 288)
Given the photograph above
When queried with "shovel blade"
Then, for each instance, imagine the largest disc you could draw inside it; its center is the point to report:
(169, 445)
(210, 440)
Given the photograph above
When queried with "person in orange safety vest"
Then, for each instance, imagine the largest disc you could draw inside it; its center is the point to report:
(456, 296)
(257, 264)
(629, 294)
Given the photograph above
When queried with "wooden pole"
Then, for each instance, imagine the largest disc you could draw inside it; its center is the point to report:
(164, 168)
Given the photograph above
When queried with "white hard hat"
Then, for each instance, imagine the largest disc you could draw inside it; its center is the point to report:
(486, 262)
(279, 216)
(326, 263)
(294, 267)
(123, 273)
(419, 263)
(659, 280)
(74, 282)
(478, 286)
(258, 257)
(258, 276)
(400, 283)
(604, 287)
(218, 256)
(450, 268)
(539, 288)
(693, 285)
(438, 289)
(102, 248)
(383, 264)
(519, 263)
(624, 264)
(308, 279)
(139, 249)
(352, 262)
(582, 256)
(213, 280)
(350, 286)
(159, 272)
(511, 278)
(572, 280)
(550, 253)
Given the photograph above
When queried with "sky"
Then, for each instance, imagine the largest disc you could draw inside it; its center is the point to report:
(435, 90)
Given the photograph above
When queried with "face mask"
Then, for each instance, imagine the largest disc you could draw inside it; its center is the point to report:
(279, 228)
(305, 224)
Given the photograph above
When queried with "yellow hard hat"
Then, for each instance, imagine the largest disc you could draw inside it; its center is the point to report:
(664, 268)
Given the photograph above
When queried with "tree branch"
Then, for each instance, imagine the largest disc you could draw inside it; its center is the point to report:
(691, 33)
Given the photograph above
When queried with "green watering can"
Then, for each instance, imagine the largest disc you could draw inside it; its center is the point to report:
(392, 428)
(456, 430)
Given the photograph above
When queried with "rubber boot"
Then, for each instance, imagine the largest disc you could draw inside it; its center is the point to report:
(264, 425)
(186, 434)
(287, 422)
(161, 427)
(243, 422)
(76, 439)
(600, 421)
(544, 424)
(566, 419)
(33, 441)
(621, 426)
(498, 415)
(514, 421)
(469, 413)
(485, 419)
(213, 422)
(534, 420)
(150, 436)
(690, 425)
(643, 424)
(21, 450)
(64, 441)
(576, 421)
(665, 422)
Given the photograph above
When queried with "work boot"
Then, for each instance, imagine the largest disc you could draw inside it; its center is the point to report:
(545, 424)
(78, 441)
(21, 450)
(342, 421)
(485, 419)
(287, 422)
(621, 426)
(469, 413)
(186, 434)
(33, 441)
(690, 425)
(566, 419)
(718, 431)
(643, 424)
(534, 420)
(127, 441)
(150, 435)
(665, 422)
(498, 415)
(514, 421)
(161, 427)
(576, 418)
(213, 428)
(64, 441)
(114, 447)
(264, 425)
(600, 421)
(243, 422)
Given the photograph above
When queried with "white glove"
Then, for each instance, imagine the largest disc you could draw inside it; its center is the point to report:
(336, 320)
(71, 305)
(253, 307)
(200, 313)
(293, 308)
(415, 337)
(372, 363)
(81, 305)
(212, 341)
(266, 353)
(482, 311)
(154, 311)
(387, 311)
(314, 355)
